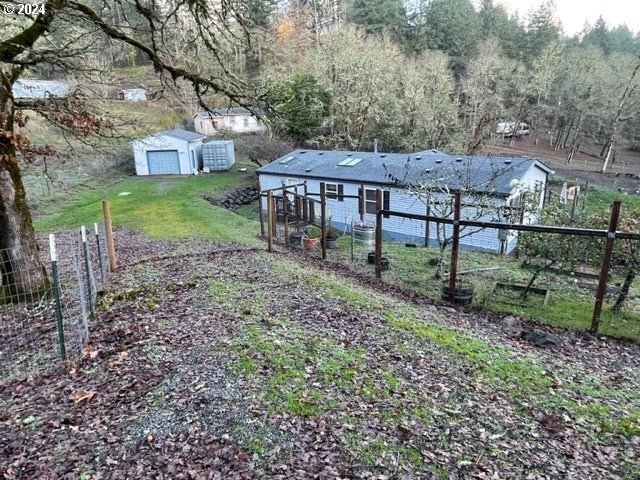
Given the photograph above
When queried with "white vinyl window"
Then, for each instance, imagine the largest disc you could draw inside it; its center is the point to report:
(370, 201)
(331, 189)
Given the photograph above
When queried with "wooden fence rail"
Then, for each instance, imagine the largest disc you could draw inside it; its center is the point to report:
(304, 205)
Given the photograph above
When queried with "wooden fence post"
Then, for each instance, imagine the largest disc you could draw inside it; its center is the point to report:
(323, 220)
(362, 204)
(426, 223)
(260, 207)
(111, 249)
(285, 213)
(378, 251)
(604, 269)
(269, 221)
(455, 241)
(305, 202)
(274, 218)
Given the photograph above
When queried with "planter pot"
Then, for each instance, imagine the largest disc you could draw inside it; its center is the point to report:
(384, 261)
(364, 234)
(295, 238)
(463, 293)
(309, 243)
(384, 264)
(332, 243)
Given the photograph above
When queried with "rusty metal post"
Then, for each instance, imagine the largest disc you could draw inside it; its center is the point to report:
(305, 202)
(285, 213)
(323, 220)
(604, 270)
(455, 241)
(269, 220)
(426, 223)
(378, 250)
(260, 207)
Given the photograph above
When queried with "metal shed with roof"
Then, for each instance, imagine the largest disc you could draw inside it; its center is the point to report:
(177, 152)
(503, 179)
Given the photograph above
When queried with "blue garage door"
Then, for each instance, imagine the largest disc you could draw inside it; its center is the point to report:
(163, 161)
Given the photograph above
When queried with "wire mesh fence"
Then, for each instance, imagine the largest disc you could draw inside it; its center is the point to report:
(47, 300)
(556, 274)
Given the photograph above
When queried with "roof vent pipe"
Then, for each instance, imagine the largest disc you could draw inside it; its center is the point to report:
(375, 145)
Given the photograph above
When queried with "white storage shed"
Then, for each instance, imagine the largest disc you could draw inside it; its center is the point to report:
(176, 152)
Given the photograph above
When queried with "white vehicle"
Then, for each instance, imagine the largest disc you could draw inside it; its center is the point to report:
(508, 129)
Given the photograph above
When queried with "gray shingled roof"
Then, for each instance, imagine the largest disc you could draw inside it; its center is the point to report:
(183, 135)
(488, 174)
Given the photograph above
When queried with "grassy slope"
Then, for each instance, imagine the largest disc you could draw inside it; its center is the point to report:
(168, 207)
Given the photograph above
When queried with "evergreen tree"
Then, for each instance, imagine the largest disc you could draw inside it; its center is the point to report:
(300, 105)
(379, 16)
(542, 29)
(453, 26)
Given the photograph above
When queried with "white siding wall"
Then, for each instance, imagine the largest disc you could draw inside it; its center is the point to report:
(230, 123)
(401, 229)
(203, 125)
(162, 142)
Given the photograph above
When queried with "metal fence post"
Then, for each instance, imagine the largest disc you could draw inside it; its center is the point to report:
(95, 226)
(378, 250)
(56, 294)
(455, 241)
(285, 212)
(604, 270)
(87, 269)
(323, 220)
(426, 223)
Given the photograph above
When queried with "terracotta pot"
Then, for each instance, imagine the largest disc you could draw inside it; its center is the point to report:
(309, 243)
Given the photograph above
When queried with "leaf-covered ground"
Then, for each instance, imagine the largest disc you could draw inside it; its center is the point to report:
(236, 363)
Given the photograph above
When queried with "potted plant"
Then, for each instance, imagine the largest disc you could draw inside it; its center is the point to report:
(332, 236)
(295, 238)
(310, 240)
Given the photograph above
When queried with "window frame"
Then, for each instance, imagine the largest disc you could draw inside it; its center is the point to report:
(331, 195)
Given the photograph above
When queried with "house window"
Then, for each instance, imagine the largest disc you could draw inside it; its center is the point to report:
(232, 120)
(245, 121)
(370, 201)
(331, 189)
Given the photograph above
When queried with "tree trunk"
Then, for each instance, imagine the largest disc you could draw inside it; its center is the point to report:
(624, 292)
(23, 274)
(616, 121)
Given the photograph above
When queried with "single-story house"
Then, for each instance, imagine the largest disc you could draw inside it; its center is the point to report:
(499, 181)
(168, 152)
(227, 120)
(28, 88)
(133, 94)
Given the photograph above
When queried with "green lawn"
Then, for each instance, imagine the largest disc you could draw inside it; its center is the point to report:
(163, 207)
(568, 306)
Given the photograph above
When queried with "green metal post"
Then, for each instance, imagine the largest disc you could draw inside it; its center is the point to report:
(56, 294)
(85, 253)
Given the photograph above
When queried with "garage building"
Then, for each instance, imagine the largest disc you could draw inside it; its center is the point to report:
(169, 152)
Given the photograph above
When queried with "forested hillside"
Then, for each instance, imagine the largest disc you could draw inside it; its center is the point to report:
(422, 74)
